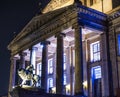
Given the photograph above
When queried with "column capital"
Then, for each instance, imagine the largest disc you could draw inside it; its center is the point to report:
(33, 48)
(60, 34)
(77, 26)
(45, 42)
(22, 53)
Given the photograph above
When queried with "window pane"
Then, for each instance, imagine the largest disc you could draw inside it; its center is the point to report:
(65, 82)
(118, 44)
(50, 66)
(64, 67)
(95, 51)
(39, 69)
(50, 82)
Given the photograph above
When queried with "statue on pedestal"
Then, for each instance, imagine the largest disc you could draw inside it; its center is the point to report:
(27, 75)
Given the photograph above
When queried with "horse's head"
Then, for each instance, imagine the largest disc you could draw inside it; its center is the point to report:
(21, 71)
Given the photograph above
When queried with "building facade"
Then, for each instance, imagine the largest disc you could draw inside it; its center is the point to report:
(74, 49)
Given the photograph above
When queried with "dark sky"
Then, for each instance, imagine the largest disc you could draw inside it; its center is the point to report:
(14, 15)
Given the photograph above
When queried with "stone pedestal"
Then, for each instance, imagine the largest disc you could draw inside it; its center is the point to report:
(34, 92)
(26, 92)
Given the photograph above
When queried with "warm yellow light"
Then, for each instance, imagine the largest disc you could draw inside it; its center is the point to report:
(26, 86)
(54, 90)
(85, 84)
(56, 4)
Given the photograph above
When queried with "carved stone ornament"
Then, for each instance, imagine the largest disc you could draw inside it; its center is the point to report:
(56, 4)
(27, 75)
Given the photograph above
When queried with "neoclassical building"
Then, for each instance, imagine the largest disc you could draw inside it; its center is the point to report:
(73, 46)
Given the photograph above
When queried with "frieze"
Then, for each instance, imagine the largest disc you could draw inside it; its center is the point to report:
(114, 15)
(91, 12)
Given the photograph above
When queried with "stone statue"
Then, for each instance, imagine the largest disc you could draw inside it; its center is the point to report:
(27, 75)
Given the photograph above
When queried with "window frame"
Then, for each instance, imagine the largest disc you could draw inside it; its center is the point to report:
(50, 82)
(50, 66)
(95, 51)
(118, 44)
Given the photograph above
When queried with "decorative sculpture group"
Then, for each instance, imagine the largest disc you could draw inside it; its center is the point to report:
(27, 75)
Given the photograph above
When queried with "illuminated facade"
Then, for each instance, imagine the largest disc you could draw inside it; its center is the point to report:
(74, 49)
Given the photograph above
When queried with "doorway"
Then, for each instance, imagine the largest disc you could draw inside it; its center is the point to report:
(96, 81)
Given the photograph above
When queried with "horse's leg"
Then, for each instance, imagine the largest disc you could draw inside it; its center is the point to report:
(23, 82)
(32, 83)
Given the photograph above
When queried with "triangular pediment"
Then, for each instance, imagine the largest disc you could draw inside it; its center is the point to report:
(38, 22)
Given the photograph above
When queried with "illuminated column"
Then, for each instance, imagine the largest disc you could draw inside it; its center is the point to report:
(78, 61)
(14, 78)
(12, 73)
(71, 71)
(22, 59)
(11, 76)
(44, 64)
(59, 65)
(33, 57)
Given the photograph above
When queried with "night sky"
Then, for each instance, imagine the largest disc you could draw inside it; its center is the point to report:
(14, 15)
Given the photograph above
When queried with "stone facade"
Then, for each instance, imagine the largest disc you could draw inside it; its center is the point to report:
(77, 51)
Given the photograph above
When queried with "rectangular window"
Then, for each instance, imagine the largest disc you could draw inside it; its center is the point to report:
(50, 66)
(74, 58)
(39, 72)
(64, 62)
(65, 79)
(95, 51)
(50, 82)
(96, 72)
(39, 69)
(118, 38)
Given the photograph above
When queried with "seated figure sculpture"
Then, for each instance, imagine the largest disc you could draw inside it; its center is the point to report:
(27, 75)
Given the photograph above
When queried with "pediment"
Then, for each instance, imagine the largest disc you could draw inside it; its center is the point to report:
(37, 22)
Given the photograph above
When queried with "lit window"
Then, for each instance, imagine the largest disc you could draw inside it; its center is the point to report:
(50, 66)
(39, 69)
(74, 58)
(65, 79)
(96, 72)
(64, 62)
(95, 51)
(50, 82)
(118, 44)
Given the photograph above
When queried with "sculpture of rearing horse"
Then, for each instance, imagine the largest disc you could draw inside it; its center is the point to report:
(27, 75)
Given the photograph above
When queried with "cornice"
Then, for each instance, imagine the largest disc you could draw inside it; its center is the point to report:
(114, 14)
